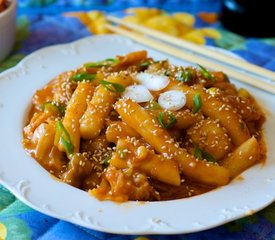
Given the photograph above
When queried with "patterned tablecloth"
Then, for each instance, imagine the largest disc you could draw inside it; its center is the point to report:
(47, 22)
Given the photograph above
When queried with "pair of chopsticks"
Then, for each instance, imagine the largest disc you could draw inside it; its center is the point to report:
(239, 70)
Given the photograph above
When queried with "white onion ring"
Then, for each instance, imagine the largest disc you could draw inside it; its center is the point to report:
(138, 93)
(152, 81)
(172, 100)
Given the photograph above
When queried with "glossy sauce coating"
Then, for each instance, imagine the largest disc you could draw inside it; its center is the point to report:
(85, 133)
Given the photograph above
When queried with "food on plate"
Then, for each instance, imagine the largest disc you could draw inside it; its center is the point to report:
(133, 128)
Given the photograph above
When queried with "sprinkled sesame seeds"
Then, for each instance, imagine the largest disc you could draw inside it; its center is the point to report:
(173, 143)
(192, 164)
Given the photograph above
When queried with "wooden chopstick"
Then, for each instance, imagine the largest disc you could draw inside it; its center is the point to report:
(233, 62)
(162, 47)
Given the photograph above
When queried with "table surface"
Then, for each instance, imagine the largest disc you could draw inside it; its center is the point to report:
(44, 22)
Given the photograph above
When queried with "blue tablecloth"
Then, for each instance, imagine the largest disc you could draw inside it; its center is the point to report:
(43, 23)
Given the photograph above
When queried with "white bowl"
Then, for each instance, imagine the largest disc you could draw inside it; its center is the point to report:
(7, 29)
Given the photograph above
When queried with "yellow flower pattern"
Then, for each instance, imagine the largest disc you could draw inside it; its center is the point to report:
(180, 24)
(3, 231)
(93, 20)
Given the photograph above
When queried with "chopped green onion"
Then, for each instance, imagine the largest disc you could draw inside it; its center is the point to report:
(112, 87)
(200, 154)
(171, 120)
(50, 106)
(213, 91)
(197, 152)
(105, 63)
(206, 74)
(209, 157)
(111, 60)
(144, 64)
(197, 103)
(79, 77)
(153, 105)
(106, 161)
(65, 138)
(184, 76)
(62, 109)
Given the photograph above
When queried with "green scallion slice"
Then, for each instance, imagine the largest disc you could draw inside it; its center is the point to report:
(197, 103)
(209, 157)
(112, 87)
(65, 138)
(79, 77)
(206, 74)
(153, 105)
(184, 76)
(106, 161)
(55, 108)
(197, 152)
(105, 63)
(144, 64)
(200, 154)
(171, 120)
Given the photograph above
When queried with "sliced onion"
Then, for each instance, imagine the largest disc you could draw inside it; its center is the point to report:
(138, 93)
(172, 100)
(152, 81)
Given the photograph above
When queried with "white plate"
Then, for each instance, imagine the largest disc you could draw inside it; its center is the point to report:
(33, 185)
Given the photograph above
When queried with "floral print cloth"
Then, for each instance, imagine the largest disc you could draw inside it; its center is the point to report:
(46, 22)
